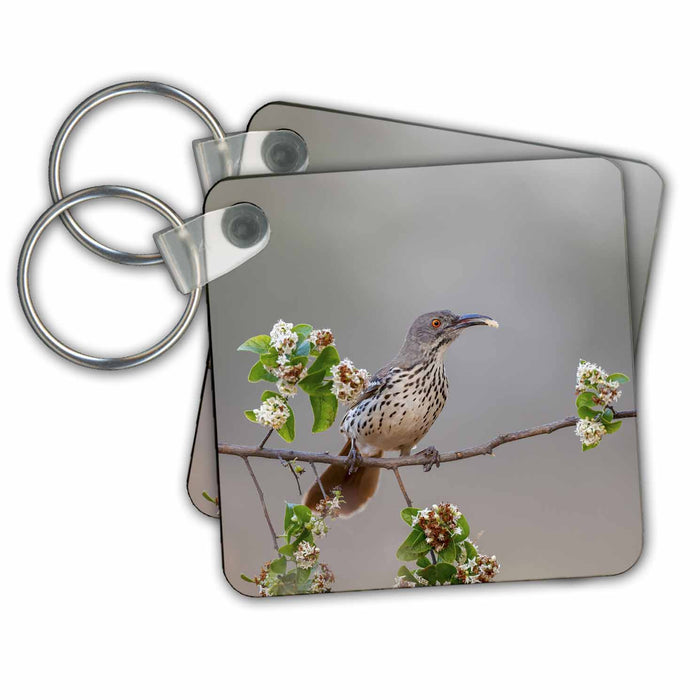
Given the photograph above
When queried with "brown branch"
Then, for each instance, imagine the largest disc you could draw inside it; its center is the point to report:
(262, 501)
(393, 463)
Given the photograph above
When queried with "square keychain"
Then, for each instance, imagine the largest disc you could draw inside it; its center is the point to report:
(498, 277)
(344, 141)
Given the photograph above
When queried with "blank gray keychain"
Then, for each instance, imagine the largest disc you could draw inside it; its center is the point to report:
(336, 140)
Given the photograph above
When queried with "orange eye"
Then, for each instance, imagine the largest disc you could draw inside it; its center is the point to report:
(436, 323)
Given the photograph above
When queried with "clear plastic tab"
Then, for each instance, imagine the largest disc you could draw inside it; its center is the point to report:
(278, 152)
(211, 245)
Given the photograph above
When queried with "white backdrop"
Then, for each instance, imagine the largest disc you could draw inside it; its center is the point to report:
(112, 582)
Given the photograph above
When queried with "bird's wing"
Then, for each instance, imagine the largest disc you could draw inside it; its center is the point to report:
(375, 384)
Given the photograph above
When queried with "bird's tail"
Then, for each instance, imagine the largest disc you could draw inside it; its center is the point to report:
(356, 489)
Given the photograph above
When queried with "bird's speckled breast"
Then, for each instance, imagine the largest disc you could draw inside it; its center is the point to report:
(402, 411)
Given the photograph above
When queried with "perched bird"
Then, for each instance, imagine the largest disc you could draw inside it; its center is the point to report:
(398, 407)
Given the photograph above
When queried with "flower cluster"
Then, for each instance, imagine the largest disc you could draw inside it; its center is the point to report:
(306, 555)
(321, 582)
(348, 381)
(590, 432)
(273, 412)
(443, 553)
(480, 569)
(301, 357)
(330, 506)
(297, 568)
(283, 338)
(592, 378)
(321, 338)
(439, 524)
(596, 391)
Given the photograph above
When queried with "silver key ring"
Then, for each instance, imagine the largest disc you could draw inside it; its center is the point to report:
(100, 97)
(30, 311)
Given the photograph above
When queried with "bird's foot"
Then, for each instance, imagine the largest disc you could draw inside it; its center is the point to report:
(354, 457)
(432, 458)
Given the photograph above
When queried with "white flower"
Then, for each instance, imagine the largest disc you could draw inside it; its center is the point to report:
(273, 412)
(588, 374)
(348, 381)
(306, 555)
(590, 432)
(282, 337)
(403, 582)
(317, 526)
(321, 338)
(286, 389)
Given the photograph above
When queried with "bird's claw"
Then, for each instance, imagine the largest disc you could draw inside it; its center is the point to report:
(353, 460)
(432, 458)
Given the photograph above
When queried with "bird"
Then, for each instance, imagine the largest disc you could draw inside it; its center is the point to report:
(396, 409)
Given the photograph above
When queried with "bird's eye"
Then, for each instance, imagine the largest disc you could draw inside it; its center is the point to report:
(436, 323)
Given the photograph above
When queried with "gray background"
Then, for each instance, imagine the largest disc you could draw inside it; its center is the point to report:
(343, 141)
(538, 245)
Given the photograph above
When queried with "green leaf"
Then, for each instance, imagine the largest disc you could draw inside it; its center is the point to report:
(303, 513)
(245, 578)
(586, 398)
(408, 514)
(302, 576)
(258, 373)
(449, 554)
(413, 546)
(286, 432)
(445, 572)
(618, 377)
(462, 523)
(287, 550)
(325, 408)
(422, 561)
(259, 344)
(611, 428)
(585, 448)
(312, 383)
(328, 357)
(288, 514)
(250, 416)
(303, 330)
(269, 394)
(589, 413)
(278, 566)
(303, 349)
(403, 571)
(471, 550)
(207, 497)
(429, 573)
(607, 416)
(269, 359)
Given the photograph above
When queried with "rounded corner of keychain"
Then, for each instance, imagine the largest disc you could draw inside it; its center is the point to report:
(440, 317)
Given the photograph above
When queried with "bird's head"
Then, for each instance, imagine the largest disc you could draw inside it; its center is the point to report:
(437, 329)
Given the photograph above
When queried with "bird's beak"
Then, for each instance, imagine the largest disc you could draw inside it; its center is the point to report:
(473, 320)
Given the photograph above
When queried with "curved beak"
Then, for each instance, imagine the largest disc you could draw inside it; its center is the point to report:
(469, 320)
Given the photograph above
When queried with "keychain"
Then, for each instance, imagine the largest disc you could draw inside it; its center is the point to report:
(379, 259)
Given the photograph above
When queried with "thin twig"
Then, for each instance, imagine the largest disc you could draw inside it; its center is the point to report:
(318, 481)
(262, 502)
(402, 487)
(266, 438)
(287, 463)
(409, 460)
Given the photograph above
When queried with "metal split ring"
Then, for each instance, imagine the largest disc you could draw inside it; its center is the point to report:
(61, 208)
(100, 97)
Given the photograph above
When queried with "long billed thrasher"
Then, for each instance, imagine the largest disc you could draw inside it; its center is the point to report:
(397, 409)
